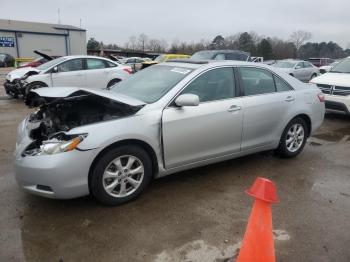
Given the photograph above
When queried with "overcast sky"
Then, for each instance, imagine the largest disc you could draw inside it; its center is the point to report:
(113, 21)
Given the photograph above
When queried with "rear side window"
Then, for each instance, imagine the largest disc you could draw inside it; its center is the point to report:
(71, 65)
(110, 64)
(281, 86)
(95, 63)
(216, 84)
(256, 81)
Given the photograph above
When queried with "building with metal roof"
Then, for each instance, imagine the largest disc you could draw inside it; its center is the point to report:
(20, 39)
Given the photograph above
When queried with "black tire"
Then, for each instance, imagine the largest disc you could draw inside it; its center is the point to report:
(32, 86)
(282, 149)
(112, 82)
(96, 177)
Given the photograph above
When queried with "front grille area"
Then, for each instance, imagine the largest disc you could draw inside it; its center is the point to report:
(334, 90)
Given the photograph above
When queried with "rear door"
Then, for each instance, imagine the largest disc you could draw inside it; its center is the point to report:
(299, 71)
(97, 73)
(211, 129)
(266, 102)
(69, 73)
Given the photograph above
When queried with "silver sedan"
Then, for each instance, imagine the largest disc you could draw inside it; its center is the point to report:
(167, 118)
(302, 70)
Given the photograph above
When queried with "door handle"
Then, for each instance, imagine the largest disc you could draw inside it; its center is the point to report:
(234, 108)
(289, 99)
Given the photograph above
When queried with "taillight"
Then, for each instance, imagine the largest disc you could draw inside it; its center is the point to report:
(128, 70)
(321, 97)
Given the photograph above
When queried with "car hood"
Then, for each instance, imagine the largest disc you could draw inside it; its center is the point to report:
(62, 92)
(20, 72)
(336, 79)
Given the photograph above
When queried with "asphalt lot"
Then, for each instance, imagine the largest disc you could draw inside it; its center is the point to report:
(197, 215)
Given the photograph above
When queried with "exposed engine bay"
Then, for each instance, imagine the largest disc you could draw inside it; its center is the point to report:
(58, 115)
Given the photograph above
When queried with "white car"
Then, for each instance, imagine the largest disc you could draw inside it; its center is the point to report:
(75, 71)
(302, 70)
(336, 86)
(327, 68)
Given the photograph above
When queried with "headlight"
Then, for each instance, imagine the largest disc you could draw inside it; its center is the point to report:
(56, 146)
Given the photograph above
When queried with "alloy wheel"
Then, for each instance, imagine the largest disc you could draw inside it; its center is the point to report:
(123, 176)
(295, 137)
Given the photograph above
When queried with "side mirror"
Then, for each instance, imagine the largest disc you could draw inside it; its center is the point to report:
(187, 100)
(54, 70)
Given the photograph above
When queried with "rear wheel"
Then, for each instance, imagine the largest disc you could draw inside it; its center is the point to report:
(121, 175)
(293, 138)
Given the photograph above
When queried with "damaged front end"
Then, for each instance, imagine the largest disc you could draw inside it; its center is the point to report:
(16, 86)
(48, 127)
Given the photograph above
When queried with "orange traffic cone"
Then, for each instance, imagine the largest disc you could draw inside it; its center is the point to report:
(257, 245)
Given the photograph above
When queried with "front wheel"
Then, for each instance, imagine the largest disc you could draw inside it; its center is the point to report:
(293, 138)
(121, 175)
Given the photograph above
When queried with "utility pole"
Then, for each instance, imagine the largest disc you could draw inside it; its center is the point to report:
(59, 16)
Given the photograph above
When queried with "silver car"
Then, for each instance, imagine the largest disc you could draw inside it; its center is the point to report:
(168, 118)
(302, 70)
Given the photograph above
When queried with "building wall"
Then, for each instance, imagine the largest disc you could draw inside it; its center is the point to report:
(74, 43)
(77, 43)
(8, 50)
(48, 44)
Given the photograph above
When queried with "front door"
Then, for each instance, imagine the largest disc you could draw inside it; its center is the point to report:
(211, 129)
(70, 73)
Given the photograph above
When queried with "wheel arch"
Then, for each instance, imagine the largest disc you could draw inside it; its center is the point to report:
(307, 120)
(110, 82)
(136, 142)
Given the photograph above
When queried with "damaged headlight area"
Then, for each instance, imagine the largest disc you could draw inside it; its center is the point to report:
(58, 143)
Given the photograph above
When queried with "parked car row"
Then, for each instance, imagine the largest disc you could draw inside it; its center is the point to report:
(77, 71)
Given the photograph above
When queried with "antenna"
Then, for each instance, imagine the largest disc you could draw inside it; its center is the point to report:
(80, 22)
(59, 16)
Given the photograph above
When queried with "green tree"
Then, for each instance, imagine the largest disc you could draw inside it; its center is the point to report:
(218, 42)
(93, 44)
(246, 43)
(264, 49)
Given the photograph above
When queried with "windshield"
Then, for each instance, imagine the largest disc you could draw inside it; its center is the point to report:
(51, 63)
(203, 55)
(150, 84)
(284, 64)
(160, 58)
(342, 67)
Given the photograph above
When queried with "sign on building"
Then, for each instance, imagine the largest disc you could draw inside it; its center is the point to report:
(7, 41)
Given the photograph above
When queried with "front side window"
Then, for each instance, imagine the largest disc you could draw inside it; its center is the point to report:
(256, 81)
(213, 85)
(220, 57)
(299, 65)
(95, 63)
(71, 65)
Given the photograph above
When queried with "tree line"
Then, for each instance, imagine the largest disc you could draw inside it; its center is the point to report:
(297, 46)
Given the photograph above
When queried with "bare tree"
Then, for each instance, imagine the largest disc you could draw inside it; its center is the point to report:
(132, 42)
(299, 38)
(143, 40)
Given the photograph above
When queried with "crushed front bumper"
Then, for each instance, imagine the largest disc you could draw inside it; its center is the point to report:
(62, 176)
(14, 88)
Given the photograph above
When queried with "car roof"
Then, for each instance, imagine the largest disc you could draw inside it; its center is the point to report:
(225, 51)
(194, 64)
